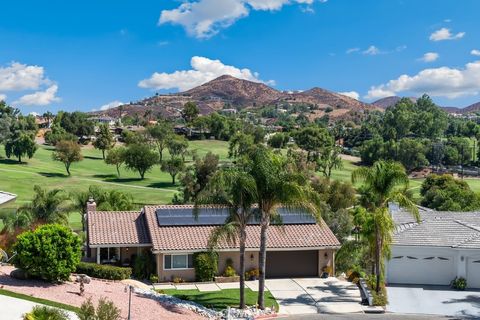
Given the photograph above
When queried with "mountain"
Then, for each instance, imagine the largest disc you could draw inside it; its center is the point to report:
(471, 108)
(238, 93)
(384, 103)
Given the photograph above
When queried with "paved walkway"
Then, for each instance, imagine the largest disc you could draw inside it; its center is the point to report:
(206, 287)
(14, 309)
(315, 295)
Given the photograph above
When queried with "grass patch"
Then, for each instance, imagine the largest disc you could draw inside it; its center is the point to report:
(39, 300)
(222, 299)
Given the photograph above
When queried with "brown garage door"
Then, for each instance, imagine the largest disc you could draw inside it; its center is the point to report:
(292, 264)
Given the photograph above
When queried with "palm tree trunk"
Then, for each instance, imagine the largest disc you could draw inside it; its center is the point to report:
(262, 264)
(377, 258)
(243, 235)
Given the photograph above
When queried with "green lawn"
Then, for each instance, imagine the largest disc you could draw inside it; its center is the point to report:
(222, 299)
(39, 300)
(156, 188)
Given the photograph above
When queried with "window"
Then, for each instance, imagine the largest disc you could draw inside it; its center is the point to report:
(178, 261)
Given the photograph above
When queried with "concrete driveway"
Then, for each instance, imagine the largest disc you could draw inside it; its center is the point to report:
(315, 295)
(14, 309)
(440, 300)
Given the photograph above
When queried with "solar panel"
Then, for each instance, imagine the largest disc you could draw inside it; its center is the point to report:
(171, 216)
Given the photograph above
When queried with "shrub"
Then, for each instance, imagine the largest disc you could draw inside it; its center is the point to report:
(106, 310)
(229, 272)
(144, 265)
(104, 271)
(51, 252)
(206, 265)
(47, 313)
(380, 299)
(153, 278)
(459, 283)
(178, 280)
(252, 274)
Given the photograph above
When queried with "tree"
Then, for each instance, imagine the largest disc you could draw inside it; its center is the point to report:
(104, 140)
(116, 157)
(47, 206)
(190, 112)
(412, 153)
(240, 144)
(277, 186)
(20, 144)
(278, 140)
(159, 136)
(196, 178)
(329, 159)
(382, 184)
(173, 166)
(51, 252)
(140, 158)
(67, 152)
(313, 140)
(49, 117)
(445, 193)
(178, 146)
(236, 190)
(57, 133)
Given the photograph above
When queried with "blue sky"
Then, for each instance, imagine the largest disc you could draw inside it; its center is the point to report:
(85, 55)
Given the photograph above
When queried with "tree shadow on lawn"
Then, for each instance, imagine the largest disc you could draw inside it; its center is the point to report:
(53, 175)
(92, 158)
(122, 180)
(11, 162)
(105, 176)
(161, 184)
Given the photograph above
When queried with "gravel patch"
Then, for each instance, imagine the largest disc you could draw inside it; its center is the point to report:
(144, 306)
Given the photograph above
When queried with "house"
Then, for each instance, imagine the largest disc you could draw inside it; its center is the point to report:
(6, 198)
(104, 120)
(298, 248)
(442, 246)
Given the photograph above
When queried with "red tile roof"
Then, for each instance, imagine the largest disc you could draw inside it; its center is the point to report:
(117, 228)
(168, 238)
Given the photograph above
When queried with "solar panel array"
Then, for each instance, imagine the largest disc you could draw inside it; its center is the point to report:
(216, 216)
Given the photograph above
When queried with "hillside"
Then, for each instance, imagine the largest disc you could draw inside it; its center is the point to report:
(390, 101)
(384, 103)
(229, 91)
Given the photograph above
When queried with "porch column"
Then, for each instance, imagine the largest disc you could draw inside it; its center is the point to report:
(98, 255)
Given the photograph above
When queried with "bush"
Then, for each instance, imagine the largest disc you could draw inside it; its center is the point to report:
(47, 313)
(459, 283)
(380, 299)
(104, 271)
(206, 265)
(153, 278)
(229, 270)
(51, 252)
(106, 310)
(144, 265)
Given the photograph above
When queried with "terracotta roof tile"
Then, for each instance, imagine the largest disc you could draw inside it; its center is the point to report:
(117, 227)
(168, 238)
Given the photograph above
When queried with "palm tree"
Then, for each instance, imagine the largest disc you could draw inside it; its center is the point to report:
(277, 186)
(16, 220)
(47, 206)
(384, 182)
(237, 191)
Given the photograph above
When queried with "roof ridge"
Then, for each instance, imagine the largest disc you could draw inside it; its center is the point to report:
(468, 225)
(407, 226)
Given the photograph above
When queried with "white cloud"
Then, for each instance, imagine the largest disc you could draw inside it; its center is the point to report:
(39, 98)
(372, 51)
(475, 52)
(18, 77)
(445, 34)
(203, 70)
(3, 97)
(438, 82)
(110, 105)
(430, 57)
(205, 18)
(352, 50)
(351, 94)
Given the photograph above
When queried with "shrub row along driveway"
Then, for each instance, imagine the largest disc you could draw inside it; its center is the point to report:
(142, 307)
(315, 295)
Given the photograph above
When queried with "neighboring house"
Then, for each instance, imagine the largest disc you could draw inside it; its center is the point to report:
(442, 246)
(298, 248)
(6, 198)
(104, 120)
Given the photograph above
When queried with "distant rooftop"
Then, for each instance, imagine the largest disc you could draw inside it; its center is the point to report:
(6, 197)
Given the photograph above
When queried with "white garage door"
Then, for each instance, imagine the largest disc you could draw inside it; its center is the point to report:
(414, 269)
(473, 272)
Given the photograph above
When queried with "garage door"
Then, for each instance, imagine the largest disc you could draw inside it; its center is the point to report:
(436, 270)
(284, 264)
(473, 273)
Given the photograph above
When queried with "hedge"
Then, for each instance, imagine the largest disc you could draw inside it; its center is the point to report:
(206, 265)
(102, 271)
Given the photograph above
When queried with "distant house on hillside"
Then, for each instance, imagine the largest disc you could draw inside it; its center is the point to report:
(104, 120)
(300, 247)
